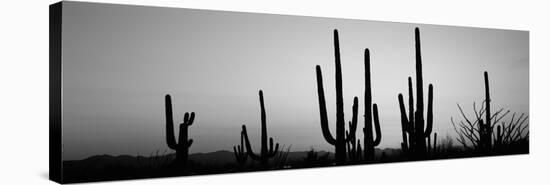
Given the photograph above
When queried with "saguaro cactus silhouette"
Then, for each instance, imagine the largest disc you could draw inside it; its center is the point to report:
(240, 152)
(183, 144)
(369, 139)
(265, 152)
(485, 127)
(340, 141)
(413, 125)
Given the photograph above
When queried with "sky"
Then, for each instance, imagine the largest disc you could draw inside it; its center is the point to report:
(120, 61)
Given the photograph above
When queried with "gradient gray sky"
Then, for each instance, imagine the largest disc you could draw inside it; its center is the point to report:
(119, 61)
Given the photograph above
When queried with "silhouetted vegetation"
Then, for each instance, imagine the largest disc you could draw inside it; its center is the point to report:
(240, 153)
(341, 139)
(265, 152)
(413, 125)
(314, 159)
(485, 134)
(183, 144)
(479, 134)
(369, 139)
(281, 158)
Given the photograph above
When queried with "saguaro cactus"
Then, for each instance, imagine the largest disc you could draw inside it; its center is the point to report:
(485, 127)
(340, 141)
(413, 125)
(240, 152)
(183, 144)
(265, 152)
(369, 139)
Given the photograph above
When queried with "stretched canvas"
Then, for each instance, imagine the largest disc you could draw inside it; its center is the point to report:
(142, 92)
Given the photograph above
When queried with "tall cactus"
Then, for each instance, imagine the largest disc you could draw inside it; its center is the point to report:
(240, 152)
(369, 139)
(340, 141)
(413, 125)
(183, 144)
(485, 127)
(265, 153)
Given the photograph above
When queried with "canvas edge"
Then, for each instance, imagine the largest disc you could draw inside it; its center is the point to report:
(55, 97)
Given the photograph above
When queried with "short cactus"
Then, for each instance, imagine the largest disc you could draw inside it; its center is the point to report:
(183, 144)
(240, 152)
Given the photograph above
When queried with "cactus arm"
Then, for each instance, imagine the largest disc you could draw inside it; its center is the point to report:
(429, 121)
(404, 121)
(190, 120)
(240, 154)
(402, 110)
(236, 153)
(272, 152)
(189, 143)
(248, 147)
(170, 138)
(353, 124)
(186, 118)
(376, 126)
(411, 105)
(411, 125)
(323, 109)
(348, 136)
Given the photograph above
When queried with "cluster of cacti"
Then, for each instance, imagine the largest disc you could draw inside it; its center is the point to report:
(183, 143)
(340, 140)
(417, 144)
(413, 125)
(369, 139)
(265, 152)
(240, 152)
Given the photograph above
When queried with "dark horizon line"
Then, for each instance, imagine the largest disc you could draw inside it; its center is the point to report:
(223, 150)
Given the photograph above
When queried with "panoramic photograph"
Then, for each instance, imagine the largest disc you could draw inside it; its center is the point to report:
(161, 92)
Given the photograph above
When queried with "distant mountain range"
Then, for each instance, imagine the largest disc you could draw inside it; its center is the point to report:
(222, 157)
